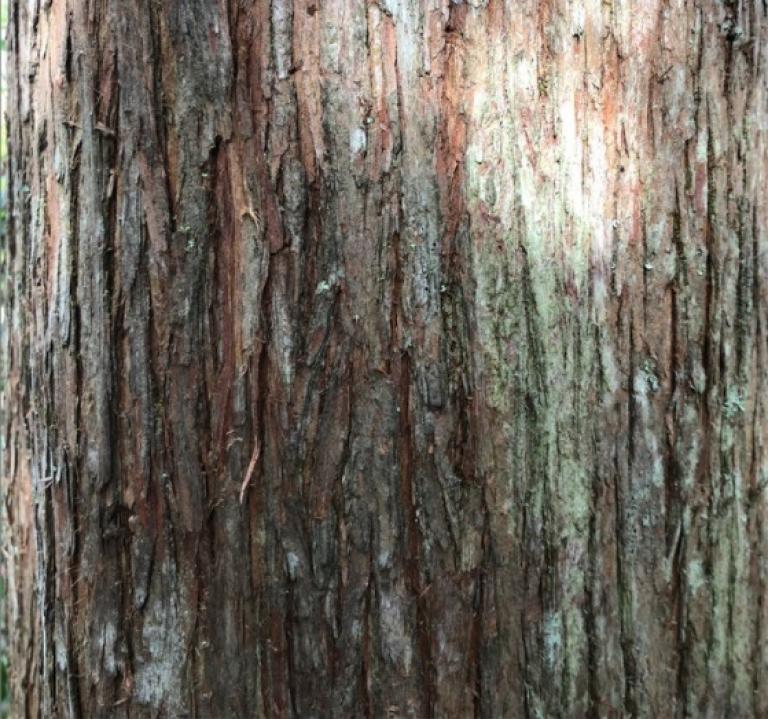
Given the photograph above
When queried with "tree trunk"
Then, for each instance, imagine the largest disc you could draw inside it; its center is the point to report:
(387, 358)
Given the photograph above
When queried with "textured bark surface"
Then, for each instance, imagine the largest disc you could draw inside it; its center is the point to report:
(387, 358)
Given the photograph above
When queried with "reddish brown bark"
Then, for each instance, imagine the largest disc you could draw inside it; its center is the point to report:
(387, 358)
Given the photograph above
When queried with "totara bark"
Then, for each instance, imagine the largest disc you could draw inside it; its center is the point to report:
(387, 358)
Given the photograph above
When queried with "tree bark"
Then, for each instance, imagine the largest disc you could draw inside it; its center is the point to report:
(387, 358)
